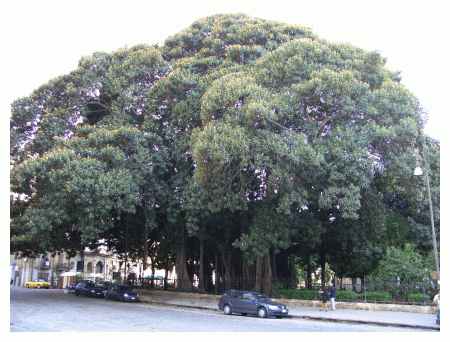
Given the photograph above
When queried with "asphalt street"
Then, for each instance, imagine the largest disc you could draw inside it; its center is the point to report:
(54, 310)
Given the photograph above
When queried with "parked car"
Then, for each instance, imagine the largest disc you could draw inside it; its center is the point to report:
(37, 284)
(249, 302)
(90, 289)
(122, 292)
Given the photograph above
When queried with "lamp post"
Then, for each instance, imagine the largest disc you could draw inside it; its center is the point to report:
(418, 172)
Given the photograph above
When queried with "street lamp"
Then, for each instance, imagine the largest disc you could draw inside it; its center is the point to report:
(418, 172)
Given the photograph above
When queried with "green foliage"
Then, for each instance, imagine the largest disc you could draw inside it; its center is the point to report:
(418, 297)
(405, 263)
(302, 294)
(378, 296)
(245, 133)
(346, 295)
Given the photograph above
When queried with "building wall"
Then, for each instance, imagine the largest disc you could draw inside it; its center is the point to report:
(23, 269)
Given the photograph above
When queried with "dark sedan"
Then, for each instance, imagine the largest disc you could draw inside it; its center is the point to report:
(89, 288)
(122, 292)
(248, 302)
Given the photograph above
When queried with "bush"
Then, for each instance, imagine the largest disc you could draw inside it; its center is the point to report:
(418, 297)
(350, 296)
(346, 295)
(304, 294)
(378, 296)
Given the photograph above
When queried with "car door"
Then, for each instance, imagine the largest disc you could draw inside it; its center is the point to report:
(248, 303)
(114, 292)
(235, 299)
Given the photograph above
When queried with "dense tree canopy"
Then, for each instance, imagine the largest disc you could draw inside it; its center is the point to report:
(236, 144)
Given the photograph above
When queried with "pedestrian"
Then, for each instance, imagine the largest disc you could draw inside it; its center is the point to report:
(436, 301)
(333, 296)
(324, 297)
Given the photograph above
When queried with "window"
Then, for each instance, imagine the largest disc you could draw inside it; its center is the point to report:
(99, 267)
(247, 296)
(80, 266)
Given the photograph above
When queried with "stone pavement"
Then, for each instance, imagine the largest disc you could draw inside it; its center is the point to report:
(384, 318)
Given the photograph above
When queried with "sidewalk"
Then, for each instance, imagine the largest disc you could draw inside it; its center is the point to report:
(384, 318)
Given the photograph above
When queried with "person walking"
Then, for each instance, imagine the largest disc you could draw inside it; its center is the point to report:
(436, 301)
(324, 297)
(333, 296)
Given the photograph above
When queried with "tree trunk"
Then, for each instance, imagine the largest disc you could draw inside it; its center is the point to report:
(293, 279)
(309, 274)
(166, 274)
(226, 262)
(152, 281)
(208, 275)
(246, 274)
(258, 274)
(82, 262)
(183, 281)
(267, 280)
(201, 275)
(216, 277)
(274, 267)
(354, 281)
(145, 253)
(125, 278)
(322, 271)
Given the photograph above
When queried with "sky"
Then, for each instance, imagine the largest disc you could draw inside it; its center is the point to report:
(44, 39)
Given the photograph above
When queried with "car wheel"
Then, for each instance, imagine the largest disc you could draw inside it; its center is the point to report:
(227, 309)
(262, 313)
(77, 293)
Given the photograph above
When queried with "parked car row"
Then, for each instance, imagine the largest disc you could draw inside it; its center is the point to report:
(106, 290)
(232, 301)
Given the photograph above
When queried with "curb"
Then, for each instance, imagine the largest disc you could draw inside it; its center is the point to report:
(313, 318)
(357, 321)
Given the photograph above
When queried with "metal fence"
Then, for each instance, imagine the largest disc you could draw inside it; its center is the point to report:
(369, 291)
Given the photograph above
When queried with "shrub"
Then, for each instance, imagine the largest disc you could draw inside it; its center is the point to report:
(378, 296)
(304, 294)
(418, 297)
(346, 295)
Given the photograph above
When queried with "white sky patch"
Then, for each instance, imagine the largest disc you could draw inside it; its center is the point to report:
(410, 35)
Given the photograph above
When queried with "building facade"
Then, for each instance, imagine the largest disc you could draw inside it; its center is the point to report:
(60, 270)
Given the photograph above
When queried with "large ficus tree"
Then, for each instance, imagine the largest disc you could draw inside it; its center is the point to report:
(238, 136)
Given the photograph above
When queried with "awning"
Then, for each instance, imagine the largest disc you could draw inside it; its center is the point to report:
(68, 274)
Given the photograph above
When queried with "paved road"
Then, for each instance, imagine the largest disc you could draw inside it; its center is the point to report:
(52, 310)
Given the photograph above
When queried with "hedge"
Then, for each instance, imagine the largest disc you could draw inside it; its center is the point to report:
(341, 295)
(304, 294)
(418, 297)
